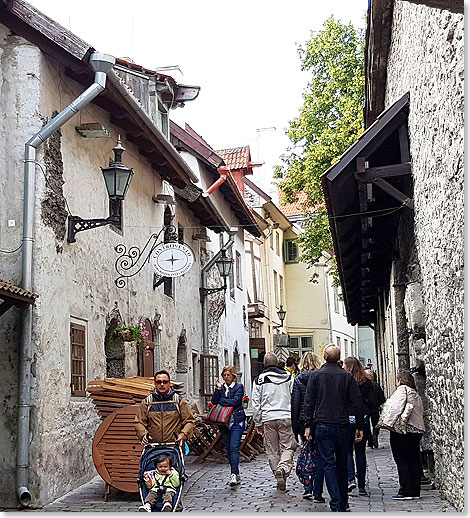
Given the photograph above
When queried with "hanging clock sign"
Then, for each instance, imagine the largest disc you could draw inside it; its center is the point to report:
(172, 259)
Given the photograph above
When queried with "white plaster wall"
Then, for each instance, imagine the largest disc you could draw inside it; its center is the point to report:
(426, 58)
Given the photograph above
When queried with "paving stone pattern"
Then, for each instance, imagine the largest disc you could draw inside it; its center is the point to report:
(206, 490)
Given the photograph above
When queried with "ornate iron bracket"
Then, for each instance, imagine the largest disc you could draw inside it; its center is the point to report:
(77, 224)
(131, 261)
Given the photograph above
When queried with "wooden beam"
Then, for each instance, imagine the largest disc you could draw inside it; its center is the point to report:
(386, 171)
(395, 193)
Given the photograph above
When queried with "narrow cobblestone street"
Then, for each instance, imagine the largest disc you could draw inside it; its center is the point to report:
(206, 490)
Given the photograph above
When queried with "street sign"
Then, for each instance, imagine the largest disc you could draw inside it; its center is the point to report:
(172, 259)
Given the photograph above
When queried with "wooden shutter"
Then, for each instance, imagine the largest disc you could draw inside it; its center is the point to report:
(209, 373)
(78, 360)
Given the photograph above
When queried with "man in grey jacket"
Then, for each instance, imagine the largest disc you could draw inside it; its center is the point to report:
(271, 399)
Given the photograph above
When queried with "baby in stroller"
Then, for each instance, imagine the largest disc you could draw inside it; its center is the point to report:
(163, 483)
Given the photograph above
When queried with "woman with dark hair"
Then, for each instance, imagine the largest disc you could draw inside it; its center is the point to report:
(355, 368)
(230, 393)
(403, 415)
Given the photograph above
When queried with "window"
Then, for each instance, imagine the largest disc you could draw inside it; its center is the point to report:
(336, 299)
(209, 373)
(346, 352)
(281, 289)
(77, 359)
(255, 329)
(231, 277)
(298, 345)
(180, 234)
(338, 341)
(271, 238)
(226, 357)
(238, 268)
(291, 251)
(276, 290)
(195, 373)
(168, 285)
(278, 248)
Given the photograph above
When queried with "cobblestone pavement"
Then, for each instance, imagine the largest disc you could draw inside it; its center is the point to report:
(206, 490)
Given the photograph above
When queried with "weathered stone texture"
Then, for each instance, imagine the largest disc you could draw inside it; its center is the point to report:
(426, 59)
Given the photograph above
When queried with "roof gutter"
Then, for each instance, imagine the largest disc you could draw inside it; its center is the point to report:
(178, 162)
(101, 64)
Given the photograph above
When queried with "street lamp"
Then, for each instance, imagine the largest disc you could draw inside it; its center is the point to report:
(282, 315)
(224, 265)
(117, 178)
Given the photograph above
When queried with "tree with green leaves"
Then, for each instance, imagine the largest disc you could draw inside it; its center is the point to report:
(330, 120)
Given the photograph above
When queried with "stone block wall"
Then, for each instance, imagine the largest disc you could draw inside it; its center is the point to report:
(426, 59)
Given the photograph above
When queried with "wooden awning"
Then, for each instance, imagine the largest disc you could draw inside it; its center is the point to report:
(366, 192)
(12, 295)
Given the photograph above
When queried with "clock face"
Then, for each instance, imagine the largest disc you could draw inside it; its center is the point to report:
(172, 259)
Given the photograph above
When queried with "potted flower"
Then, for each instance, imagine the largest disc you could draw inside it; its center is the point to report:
(245, 401)
(134, 333)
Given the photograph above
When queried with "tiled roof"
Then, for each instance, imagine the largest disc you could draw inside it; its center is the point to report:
(9, 287)
(236, 158)
(296, 208)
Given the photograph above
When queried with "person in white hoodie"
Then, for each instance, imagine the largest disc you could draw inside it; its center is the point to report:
(271, 400)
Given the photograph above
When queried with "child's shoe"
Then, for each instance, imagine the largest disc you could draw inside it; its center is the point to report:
(146, 508)
(167, 507)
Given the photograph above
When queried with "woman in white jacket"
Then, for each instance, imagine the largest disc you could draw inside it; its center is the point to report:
(402, 414)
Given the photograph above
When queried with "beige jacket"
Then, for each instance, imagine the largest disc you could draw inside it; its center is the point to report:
(395, 405)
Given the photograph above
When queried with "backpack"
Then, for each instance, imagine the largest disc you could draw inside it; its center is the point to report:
(306, 467)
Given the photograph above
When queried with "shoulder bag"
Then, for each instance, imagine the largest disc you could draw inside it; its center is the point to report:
(220, 414)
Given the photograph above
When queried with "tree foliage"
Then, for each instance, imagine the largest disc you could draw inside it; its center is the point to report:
(330, 120)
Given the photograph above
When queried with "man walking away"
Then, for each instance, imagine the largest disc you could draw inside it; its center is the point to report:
(332, 395)
(376, 400)
(271, 400)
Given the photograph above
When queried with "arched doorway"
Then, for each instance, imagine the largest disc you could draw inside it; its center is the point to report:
(182, 361)
(146, 356)
(114, 351)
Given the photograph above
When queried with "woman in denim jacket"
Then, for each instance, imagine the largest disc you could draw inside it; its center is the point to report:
(230, 393)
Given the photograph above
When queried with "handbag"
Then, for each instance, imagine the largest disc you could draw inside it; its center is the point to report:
(306, 467)
(220, 414)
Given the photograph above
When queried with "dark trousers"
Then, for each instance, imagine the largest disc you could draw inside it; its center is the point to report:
(405, 451)
(232, 438)
(373, 419)
(359, 449)
(332, 449)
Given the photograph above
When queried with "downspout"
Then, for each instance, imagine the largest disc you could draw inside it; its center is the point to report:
(101, 64)
(204, 271)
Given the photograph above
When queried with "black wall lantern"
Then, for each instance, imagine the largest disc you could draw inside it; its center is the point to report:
(117, 178)
(282, 315)
(224, 265)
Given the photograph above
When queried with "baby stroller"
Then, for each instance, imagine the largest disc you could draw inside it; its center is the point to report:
(147, 462)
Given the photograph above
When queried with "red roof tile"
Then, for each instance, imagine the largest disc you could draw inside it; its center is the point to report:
(236, 158)
(296, 208)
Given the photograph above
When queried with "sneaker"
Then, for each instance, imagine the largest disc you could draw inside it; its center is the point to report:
(319, 499)
(146, 508)
(233, 480)
(426, 481)
(280, 475)
(363, 492)
(401, 497)
(351, 486)
(167, 507)
(307, 494)
(375, 441)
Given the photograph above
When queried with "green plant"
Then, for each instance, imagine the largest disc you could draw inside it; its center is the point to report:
(134, 333)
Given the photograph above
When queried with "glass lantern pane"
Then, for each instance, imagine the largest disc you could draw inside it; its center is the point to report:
(110, 181)
(122, 178)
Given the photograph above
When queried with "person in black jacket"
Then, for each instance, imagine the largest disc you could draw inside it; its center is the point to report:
(376, 400)
(308, 363)
(353, 366)
(231, 393)
(332, 394)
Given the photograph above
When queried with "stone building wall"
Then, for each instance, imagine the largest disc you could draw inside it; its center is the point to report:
(426, 59)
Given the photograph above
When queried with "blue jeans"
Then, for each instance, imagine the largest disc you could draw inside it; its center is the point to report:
(332, 450)
(232, 438)
(360, 449)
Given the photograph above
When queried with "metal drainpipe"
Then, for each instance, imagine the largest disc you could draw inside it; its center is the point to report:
(101, 64)
(204, 271)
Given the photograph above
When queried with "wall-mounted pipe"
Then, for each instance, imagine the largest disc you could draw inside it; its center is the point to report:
(101, 64)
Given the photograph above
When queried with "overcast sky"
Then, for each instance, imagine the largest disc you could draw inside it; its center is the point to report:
(242, 54)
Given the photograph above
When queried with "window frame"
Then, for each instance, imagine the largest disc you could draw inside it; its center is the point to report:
(209, 363)
(238, 269)
(74, 326)
(287, 244)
